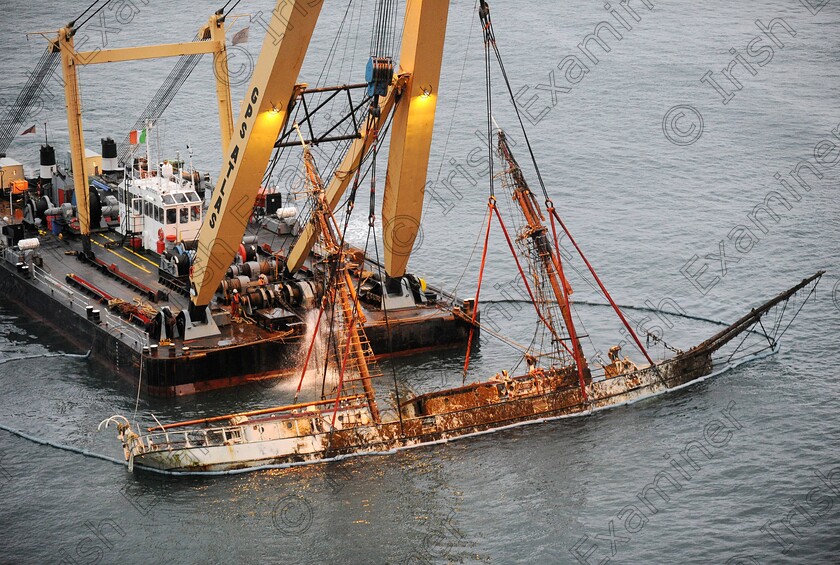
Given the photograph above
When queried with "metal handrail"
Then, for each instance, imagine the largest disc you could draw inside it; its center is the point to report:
(151, 441)
(114, 321)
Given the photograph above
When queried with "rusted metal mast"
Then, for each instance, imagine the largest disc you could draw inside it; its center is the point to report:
(537, 232)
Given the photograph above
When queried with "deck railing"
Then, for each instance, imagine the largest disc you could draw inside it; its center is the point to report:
(318, 422)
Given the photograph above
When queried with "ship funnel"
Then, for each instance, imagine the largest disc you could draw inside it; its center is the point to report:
(109, 156)
(47, 162)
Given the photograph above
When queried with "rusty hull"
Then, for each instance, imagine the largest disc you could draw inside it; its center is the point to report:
(453, 413)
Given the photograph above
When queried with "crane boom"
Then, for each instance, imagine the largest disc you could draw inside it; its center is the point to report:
(263, 114)
(411, 130)
(72, 59)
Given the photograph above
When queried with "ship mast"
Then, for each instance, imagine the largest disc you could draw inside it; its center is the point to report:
(341, 288)
(537, 232)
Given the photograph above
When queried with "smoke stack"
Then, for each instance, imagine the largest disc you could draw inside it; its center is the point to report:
(109, 156)
(47, 162)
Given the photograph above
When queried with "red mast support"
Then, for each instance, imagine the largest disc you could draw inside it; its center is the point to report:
(603, 288)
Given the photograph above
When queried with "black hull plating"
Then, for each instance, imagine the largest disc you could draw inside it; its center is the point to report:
(197, 369)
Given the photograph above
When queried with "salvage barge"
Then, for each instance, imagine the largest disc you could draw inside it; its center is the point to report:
(106, 306)
(124, 298)
(122, 302)
(109, 252)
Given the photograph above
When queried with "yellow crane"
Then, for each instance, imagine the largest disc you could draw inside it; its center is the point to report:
(412, 96)
(212, 37)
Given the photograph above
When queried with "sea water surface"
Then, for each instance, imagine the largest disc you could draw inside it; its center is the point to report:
(651, 171)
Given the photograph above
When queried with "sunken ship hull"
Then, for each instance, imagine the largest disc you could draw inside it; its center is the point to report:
(329, 429)
(309, 437)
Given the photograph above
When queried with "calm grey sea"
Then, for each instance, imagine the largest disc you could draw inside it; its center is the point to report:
(654, 174)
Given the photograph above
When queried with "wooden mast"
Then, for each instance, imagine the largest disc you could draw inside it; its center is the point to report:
(346, 295)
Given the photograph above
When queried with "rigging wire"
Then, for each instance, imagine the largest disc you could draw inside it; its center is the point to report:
(469, 260)
(45, 69)
(812, 291)
(232, 8)
(329, 162)
(457, 98)
(163, 97)
(99, 9)
(92, 4)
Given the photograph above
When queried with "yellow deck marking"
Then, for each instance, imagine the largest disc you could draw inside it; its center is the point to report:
(149, 261)
(126, 259)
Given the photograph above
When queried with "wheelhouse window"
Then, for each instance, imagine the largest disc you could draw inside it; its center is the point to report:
(171, 215)
(185, 215)
(195, 213)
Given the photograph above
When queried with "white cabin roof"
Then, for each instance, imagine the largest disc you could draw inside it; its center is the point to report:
(165, 192)
(9, 162)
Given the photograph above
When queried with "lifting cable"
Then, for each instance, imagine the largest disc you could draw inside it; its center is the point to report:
(382, 37)
(491, 39)
(491, 204)
(387, 326)
(92, 4)
(99, 9)
(231, 8)
(383, 287)
(484, 14)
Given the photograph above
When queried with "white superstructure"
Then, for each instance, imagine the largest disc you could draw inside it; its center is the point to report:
(159, 206)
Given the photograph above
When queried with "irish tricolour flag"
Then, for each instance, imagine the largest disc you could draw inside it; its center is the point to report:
(136, 137)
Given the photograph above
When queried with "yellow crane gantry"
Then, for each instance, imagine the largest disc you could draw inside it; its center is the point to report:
(212, 40)
(412, 96)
